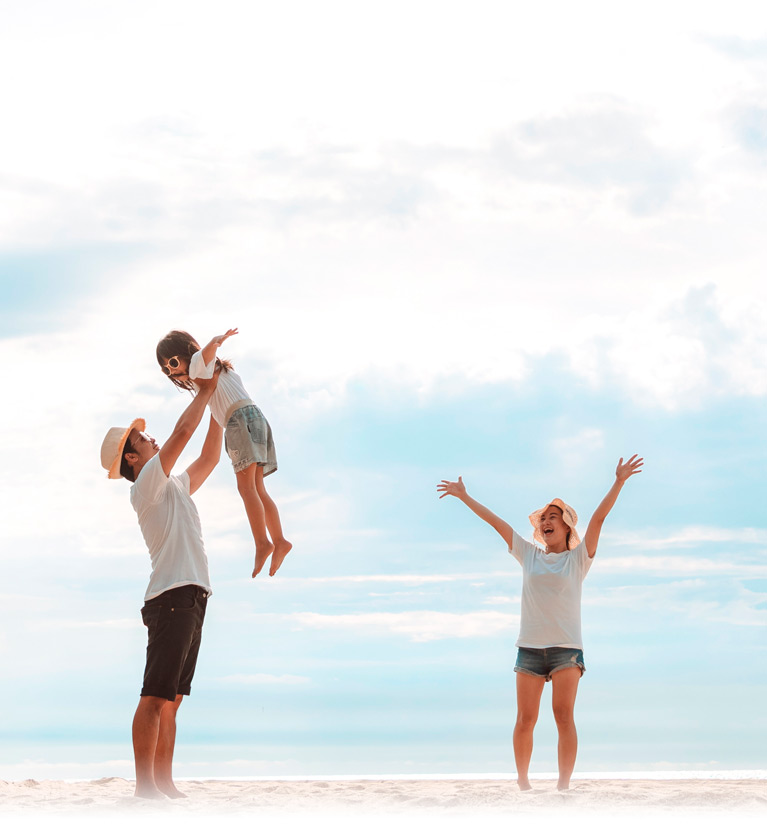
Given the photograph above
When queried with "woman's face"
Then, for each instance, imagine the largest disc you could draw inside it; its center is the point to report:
(553, 528)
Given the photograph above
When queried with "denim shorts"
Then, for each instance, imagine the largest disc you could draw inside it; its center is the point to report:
(249, 440)
(543, 662)
(174, 620)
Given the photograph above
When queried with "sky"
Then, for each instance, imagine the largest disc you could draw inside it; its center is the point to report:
(508, 242)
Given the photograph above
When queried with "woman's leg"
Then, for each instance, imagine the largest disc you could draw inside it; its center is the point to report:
(254, 508)
(529, 690)
(281, 545)
(564, 686)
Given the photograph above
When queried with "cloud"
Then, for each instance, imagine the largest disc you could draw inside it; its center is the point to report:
(420, 626)
(692, 535)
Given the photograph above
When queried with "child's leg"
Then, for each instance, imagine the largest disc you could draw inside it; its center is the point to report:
(272, 516)
(254, 508)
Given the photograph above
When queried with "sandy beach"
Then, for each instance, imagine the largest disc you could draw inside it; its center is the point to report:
(487, 796)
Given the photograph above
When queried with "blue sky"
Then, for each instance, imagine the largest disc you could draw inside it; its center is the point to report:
(484, 240)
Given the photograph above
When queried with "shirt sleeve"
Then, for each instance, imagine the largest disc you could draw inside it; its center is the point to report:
(152, 481)
(198, 369)
(583, 559)
(519, 548)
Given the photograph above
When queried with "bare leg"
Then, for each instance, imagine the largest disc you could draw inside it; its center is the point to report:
(272, 516)
(564, 685)
(146, 729)
(254, 508)
(163, 756)
(529, 690)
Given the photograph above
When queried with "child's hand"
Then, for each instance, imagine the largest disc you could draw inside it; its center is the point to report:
(631, 467)
(220, 339)
(452, 488)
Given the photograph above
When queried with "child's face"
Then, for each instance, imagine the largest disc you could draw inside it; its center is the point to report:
(176, 369)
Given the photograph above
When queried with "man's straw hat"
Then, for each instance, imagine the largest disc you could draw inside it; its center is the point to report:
(112, 447)
(569, 516)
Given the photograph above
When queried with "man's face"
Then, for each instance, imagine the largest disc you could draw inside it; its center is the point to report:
(144, 446)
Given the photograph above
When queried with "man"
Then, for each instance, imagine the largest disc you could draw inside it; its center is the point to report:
(179, 584)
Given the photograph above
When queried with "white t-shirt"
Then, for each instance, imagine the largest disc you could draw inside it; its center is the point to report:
(171, 527)
(551, 595)
(229, 388)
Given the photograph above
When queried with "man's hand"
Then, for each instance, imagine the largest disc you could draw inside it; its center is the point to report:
(452, 488)
(207, 386)
(631, 467)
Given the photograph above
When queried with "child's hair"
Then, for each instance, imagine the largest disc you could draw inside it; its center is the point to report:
(181, 344)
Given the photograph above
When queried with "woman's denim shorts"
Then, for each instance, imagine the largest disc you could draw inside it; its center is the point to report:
(543, 662)
(249, 440)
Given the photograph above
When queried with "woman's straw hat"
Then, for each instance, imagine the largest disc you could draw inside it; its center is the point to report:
(569, 516)
(112, 447)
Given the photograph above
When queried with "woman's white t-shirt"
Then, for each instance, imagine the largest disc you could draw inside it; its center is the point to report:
(171, 527)
(551, 595)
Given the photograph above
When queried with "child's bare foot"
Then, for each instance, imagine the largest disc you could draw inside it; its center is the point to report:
(281, 549)
(263, 552)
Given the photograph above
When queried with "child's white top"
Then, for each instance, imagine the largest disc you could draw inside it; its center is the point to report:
(551, 595)
(229, 388)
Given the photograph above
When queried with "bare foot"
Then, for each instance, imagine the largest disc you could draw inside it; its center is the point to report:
(281, 549)
(148, 792)
(263, 552)
(524, 786)
(171, 791)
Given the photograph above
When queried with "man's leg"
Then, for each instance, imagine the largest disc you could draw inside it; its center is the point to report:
(163, 757)
(146, 730)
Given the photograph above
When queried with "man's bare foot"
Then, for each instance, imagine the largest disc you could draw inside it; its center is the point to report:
(148, 792)
(524, 785)
(280, 550)
(263, 552)
(171, 791)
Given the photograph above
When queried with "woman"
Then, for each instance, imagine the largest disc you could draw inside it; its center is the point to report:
(550, 645)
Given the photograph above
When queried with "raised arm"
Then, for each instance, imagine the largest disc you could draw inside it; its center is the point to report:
(622, 473)
(457, 489)
(211, 348)
(211, 452)
(186, 424)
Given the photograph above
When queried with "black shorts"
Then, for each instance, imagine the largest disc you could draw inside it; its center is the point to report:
(174, 622)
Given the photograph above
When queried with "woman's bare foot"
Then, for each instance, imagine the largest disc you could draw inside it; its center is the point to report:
(524, 785)
(263, 552)
(281, 549)
(148, 792)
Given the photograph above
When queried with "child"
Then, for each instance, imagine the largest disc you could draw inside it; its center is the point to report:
(248, 435)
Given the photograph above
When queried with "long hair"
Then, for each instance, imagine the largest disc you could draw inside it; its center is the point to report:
(181, 344)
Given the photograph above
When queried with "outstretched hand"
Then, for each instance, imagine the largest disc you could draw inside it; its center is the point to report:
(452, 488)
(218, 340)
(631, 467)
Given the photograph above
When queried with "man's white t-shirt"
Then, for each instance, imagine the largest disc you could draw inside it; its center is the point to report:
(551, 595)
(171, 527)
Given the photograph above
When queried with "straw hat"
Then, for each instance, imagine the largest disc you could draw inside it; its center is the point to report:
(569, 516)
(112, 447)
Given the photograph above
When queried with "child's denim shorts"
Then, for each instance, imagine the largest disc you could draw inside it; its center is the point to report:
(543, 662)
(248, 440)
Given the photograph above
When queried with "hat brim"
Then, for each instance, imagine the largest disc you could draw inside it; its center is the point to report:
(114, 469)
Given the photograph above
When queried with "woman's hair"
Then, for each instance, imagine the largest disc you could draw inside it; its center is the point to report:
(181, 344)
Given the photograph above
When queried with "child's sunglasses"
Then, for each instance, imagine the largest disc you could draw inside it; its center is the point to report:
(173, 364)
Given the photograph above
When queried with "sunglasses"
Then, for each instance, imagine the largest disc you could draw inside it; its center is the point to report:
(173, 364)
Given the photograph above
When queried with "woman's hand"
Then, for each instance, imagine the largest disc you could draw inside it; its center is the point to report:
(631, 467)
(452, 488)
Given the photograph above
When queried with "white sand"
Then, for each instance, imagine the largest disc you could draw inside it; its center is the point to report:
(443, 796)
